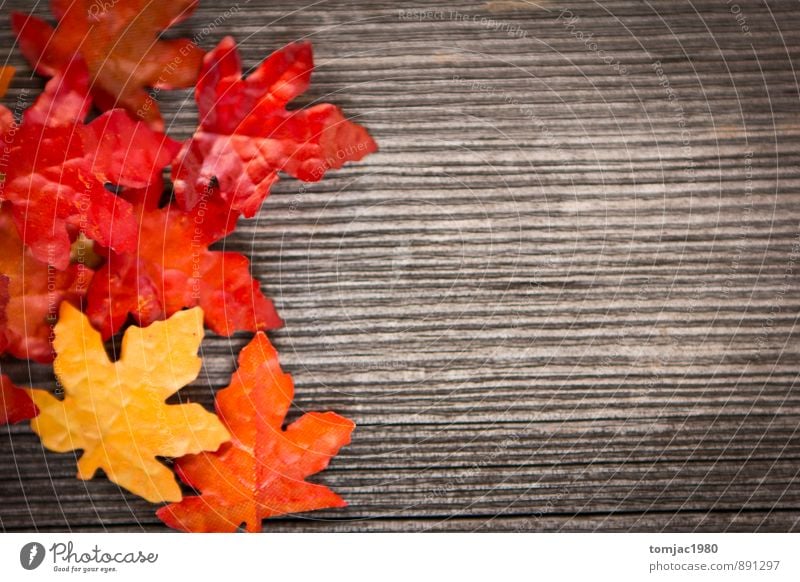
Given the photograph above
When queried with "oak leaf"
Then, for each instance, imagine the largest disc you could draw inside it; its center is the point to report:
(261, 473)
(115, 411)
(246, 135)
(120, 42)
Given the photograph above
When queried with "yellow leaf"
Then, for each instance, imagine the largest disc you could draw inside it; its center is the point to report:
(115, 411)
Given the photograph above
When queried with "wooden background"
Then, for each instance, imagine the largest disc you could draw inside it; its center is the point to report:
(563, 296)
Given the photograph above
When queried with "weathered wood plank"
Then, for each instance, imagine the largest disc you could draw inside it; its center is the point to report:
(544, 311)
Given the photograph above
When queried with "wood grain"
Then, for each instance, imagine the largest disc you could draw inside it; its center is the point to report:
(564, 294)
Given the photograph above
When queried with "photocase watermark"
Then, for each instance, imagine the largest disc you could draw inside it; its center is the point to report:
(339, 157)
(741, 19)
(399, 364)
(66, 558)
(640, 301)
(680, 114)
(31, 555)
(10, 136)
(570, 22)
(402, 262)
(777, 305)
(529, 524)
(474, 469)
(523, 108)
(744, 226)
(183, 53)
(449, 15)
(199, 243)
(99, 7)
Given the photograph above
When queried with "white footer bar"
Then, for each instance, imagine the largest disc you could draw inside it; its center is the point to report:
(407, 557)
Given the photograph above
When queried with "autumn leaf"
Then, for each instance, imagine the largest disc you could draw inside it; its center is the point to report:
(173, 268)
(246, 135)
(261, 473)
(120, 42)
(6, 74)
(15, 404)
(34, 293)
(115, 411)
(58, 169)
(4, 298)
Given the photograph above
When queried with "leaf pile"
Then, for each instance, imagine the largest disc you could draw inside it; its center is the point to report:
(96, 242)
(119, 41)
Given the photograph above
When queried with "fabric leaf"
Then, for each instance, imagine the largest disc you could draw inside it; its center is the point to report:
(4, 299)
(120, 43)
(15, 404)
(173, 268)
(246, 135)
(115, 411)
(34, 294)
(59, 167)
(6, 74)
(261, 473)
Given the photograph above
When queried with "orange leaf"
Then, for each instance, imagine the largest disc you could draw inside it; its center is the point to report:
(115, 411)
(173, 268)
(120, 42)
(261, 473)
(6, 74)
(34, 294)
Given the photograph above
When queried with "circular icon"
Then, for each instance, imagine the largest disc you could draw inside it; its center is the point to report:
(31, 555)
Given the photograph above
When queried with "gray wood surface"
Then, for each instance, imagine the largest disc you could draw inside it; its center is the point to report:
(564, 294)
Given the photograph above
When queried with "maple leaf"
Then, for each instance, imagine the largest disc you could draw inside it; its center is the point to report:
(34, 294)
(173, 268)
(3, 314)
(58, 168)
(6, 74)
(120, 41)
(115, 411)
(261, 473)
(6, 117)
(15, 404)
(246, 135)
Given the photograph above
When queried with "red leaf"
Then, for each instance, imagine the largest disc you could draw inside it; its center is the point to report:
(65, 100)
(246, 135)
(120, 43)
(261, 473)
(173, 269)
(4, 298)
(34, 294)
(58, 168)
(15, 404)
